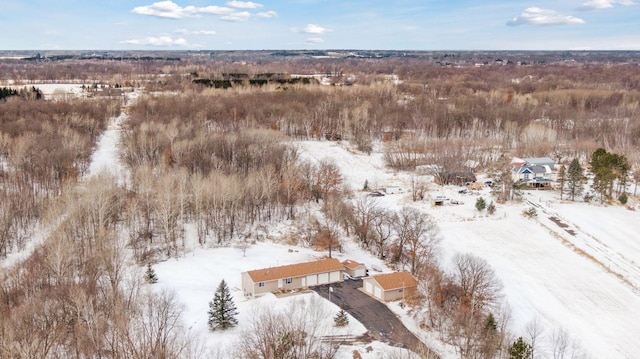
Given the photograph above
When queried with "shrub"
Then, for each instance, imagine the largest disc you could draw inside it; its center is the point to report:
(623, 198)
(531, 212)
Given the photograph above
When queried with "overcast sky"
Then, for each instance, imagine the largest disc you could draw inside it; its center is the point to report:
(320, 24)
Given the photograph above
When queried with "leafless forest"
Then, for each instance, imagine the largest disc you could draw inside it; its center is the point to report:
(211, 142)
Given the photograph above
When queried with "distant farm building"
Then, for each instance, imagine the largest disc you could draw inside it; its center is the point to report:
(291, 277)
(456, 178)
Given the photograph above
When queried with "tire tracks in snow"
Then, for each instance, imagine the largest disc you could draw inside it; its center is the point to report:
(590, 247)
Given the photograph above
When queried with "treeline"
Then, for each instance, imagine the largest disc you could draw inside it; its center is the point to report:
(538, 111)
(26, 93)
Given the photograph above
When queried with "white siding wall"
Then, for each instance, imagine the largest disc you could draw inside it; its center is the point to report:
(323, 278)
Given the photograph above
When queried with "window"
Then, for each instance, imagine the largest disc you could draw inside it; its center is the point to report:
(288, 280)
(261, 284)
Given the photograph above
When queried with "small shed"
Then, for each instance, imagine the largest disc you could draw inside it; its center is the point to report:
(354, 269)
(391, 286)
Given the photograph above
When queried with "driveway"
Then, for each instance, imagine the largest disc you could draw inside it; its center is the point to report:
(379, 320)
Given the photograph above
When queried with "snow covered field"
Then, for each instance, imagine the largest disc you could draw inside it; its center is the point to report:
(585, 282)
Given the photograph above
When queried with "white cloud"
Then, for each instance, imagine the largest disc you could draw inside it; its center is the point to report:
(543, 17)
(314, 40)
(314, 29)
(171, 10)
(195, 32)
(604, 4)
(267, 14)
(157, 41)
(213, 10)
(237, 16)
(244, 4)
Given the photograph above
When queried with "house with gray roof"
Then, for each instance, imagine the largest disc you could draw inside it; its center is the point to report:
(533, 172)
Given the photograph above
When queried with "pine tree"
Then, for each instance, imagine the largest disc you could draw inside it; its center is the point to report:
(575, 179)
(481, 204)
(520, 349)
(341, 319)
(561, 179)
(222, 310)
(150, 276)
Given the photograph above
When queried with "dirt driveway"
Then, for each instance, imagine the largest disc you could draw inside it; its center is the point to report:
(379, 320)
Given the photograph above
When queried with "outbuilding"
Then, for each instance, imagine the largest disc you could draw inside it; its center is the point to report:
(354, 269)
(291, 277)
(390, 286)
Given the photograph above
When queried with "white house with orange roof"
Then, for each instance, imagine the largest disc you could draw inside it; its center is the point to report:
(291, 277)
(390, 286)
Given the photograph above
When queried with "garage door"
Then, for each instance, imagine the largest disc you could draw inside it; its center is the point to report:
(334, 276)
(368, 287)
(378, 292)
(312, 280)
(323, 278)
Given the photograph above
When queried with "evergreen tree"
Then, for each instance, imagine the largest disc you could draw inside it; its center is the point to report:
(341, 319)
(222, 310)
(150, 276)
(575, 179)
(481, 204)
(608, 168)
(520, 349)
(562, 177)
(623, 198)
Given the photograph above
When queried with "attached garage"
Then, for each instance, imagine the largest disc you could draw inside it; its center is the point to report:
(377, 292)
(312, 280)
(368, 287)
(291, 277)
(335, 276)
(323, 278)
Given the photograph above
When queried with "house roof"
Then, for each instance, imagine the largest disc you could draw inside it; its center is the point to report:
(535, 169)
(295, 270)
(395, 280)
(539, 160)
(351, 264)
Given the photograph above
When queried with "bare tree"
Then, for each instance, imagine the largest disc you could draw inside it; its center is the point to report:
(364, 214)
(296, 334)
(417, 239)
(382, 231)
(535, 332)
(479, 284)
(559, 343)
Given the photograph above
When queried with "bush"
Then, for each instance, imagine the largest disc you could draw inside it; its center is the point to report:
(623, 198)
(531, 212)
(491, 208)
